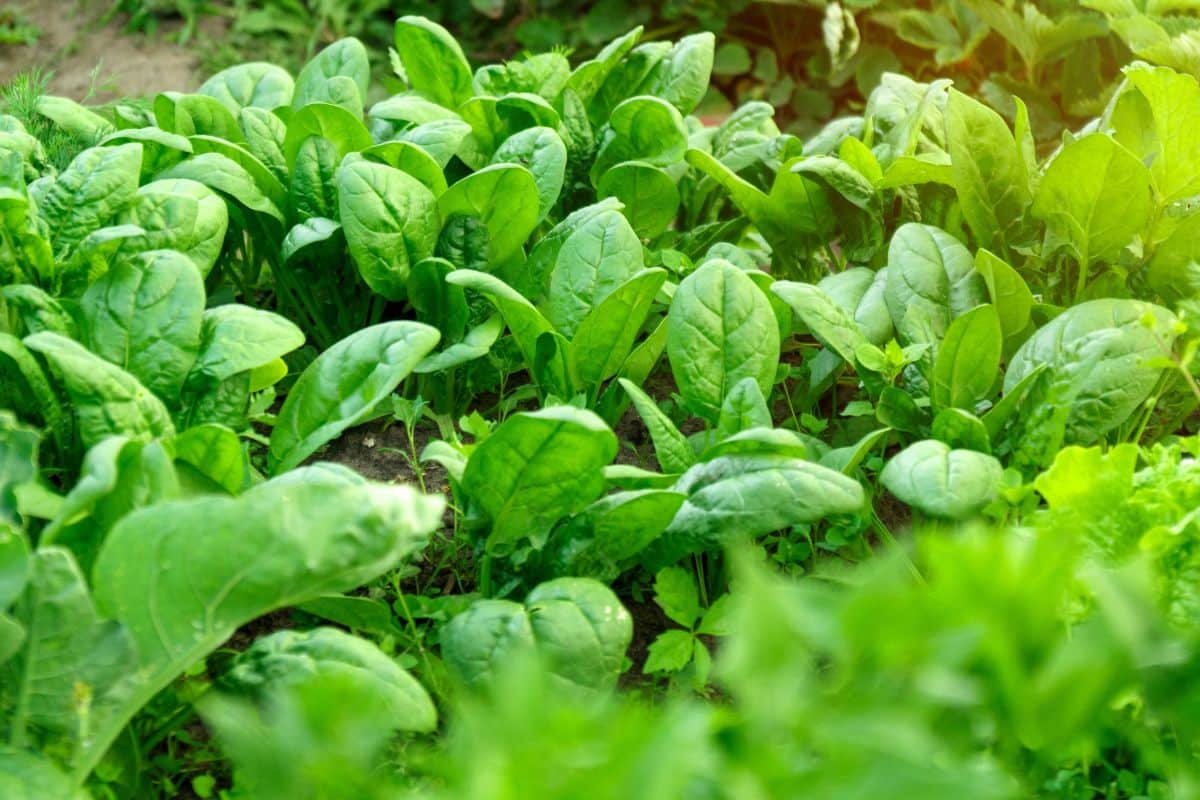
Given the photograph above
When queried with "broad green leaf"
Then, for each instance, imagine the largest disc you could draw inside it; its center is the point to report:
(433, 61)
(1174, 269)
(346, 58)
(1172, 100)
(988, 170)
(440, 138)
(73, 117)
(30, 776)
(264, 135)
(411, 160)
(312, 184)
(536, 468)
(859, 291)
(671, 447)
(824, 318)
(256, 84)
(742, 409)
(930, 270)
(641, 129)
(334, 124)
(214, 452)
(476, 344)
(390, 221)
(1009, 293)
(107, 400)
(26, 388)
(343, 385)
(581, 629)
(542, 152)
(737, 497)
(505, 198)
(311, 233)
(589, 76)
(178, 214)
(223, 174)
(596, 255)
(436, 301)
(97, 184)
(144, 315)
(649, 196)
(941, 482)
(192, 114)
(602, 539)
(681, 77)
(236, 338)
(182, 576)
(968, 360)
(67, 646)
(577, 625)
(18, 466)
(722, 329)
(524, 321)
(1098, 356)
(1095, 196)
(606, 335)
(287, 658)
(488, 632)
(265, 181)
(962, 430)
(118, 475)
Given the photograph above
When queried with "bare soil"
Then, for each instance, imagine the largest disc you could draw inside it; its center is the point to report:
(97, 61)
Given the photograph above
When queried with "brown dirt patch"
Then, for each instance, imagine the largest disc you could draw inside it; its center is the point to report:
(97, 61)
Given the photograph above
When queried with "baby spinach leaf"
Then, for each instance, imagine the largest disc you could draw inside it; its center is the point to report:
(671, 447)
(722, 329)
(144, 316)
(1010, 296)
(1095, 196)
(541, 151)
(968, 360)
(536, 468)
(287, 658)
(989, 173)
(941, 482)
(859, 291)
(390, 221)
(597, 253)
(256, 84)
(640, 129)
(344, 58)
(742, 409)
(745, 495)
(1096, 354)
(930, 270)
(526, 322)
(343, 385)
(832, 326)
(66, 643)
(648, 194)
(236, 338)
(606, 335)
(342, 129)
(433, 61)
(107, 400)
(178, 214)
(505, 198)
(279, 544)
(576, 624)
(96, 185)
